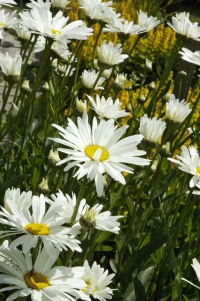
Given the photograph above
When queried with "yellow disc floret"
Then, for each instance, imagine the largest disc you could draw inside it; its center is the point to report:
(36, 280)
(55, 31)
(37, 229)
(91, 149)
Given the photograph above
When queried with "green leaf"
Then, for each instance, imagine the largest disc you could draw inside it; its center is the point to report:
(139, 290)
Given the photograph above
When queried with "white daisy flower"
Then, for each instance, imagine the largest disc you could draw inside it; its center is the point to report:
(151, 128)
(96, 149)
(11, 67)
(119, 26)
(7, 2)
(110, 55)
(42, 22)
(189, 162)
(196, 267)
(94, 218)
(22, 32)
(40, 279)
(97, 281)
(39, 4)
(40, 224)
(21, 200)
(177, 111)
(89, 78)
(182, 25)
(107, 108)
(59, 3)
(191, 57)
(147, 23)
(7, 20)
(97, 10)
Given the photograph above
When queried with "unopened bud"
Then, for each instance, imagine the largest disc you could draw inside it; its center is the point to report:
(53, 157)
(43, 187)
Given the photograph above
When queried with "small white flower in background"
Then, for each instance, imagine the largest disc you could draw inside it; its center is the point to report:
(89, 78)
(120, 81)
(41, 21)
(110, 55)
(183, 26)
(40, 224)
(7, 20)
(191, 57)
(39, 279)
(7, 2)
(21, 199)
(189, 162)
(59, 3)
(151, 128)
(148, 65)
(107, 108)
(196, 266)
(104, 221)
(147, 23)
(97, 10)
(97, 280)
(122, 27)
(39, 4)
(81, 105)
(11, 67)
(177, 111)
(97, 149)
(22, 32)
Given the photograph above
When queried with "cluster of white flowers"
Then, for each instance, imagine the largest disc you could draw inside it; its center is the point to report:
(26, 215)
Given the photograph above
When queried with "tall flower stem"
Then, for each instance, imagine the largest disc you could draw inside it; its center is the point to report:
(188, 206)
(96, 42)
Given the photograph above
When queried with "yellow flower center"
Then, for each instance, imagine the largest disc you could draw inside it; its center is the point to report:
(36, 280)
(87, 288)
(91, 149)
(55, 31)
(1, 23)
(198, 169)
(37, 229)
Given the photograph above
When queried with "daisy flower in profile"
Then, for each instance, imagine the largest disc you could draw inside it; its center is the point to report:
(122, 27)
(177, 111)
(59, 3)
(189, 162)
(97, 10)
(7, 2)
(39, 224)
(147, 23)
(196, 266)
(39, 4)
(21, 200)
(191, 57)
(89, 78)
(94, 218)
(7, 20)
(182, 25)
(109, 55)
(97, 280)
(151, 128)
(97, 149)
(41, 21)
(39, 279)
(107, 108)
(11, 67)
